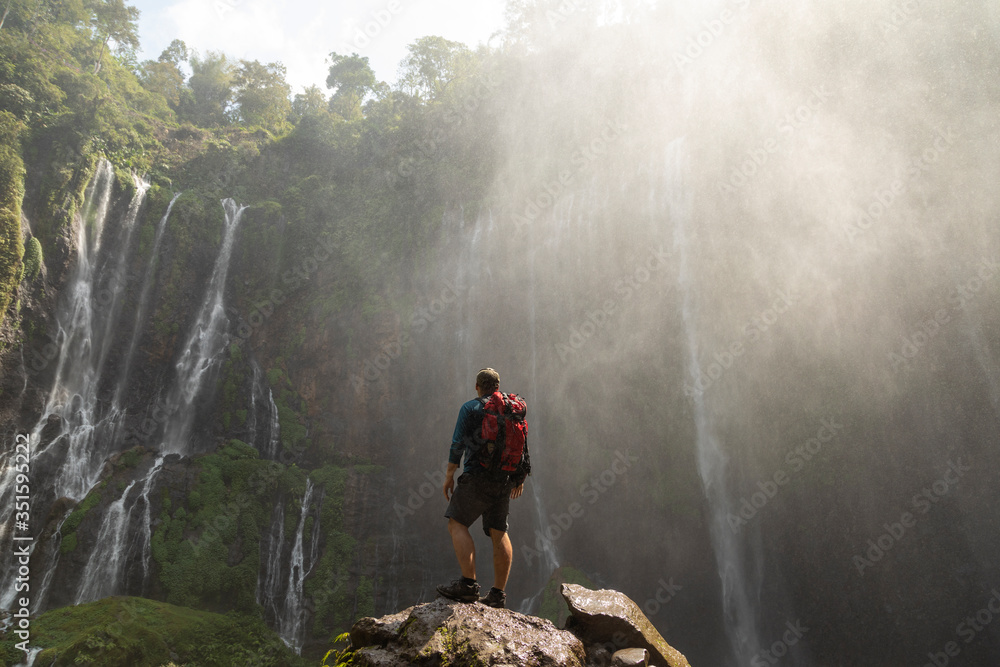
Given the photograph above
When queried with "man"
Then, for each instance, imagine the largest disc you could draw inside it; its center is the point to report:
(480, 493)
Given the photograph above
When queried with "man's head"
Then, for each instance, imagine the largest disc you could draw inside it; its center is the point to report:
(487, 381)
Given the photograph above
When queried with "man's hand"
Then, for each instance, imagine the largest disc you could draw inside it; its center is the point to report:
(517, 491)
(449, 480)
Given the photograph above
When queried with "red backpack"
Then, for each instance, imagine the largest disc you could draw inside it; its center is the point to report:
(505, 436)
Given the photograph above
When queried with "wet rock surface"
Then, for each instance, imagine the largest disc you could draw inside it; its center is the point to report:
(607, 617)
(630, 657)
(456, 633)
(606, 628)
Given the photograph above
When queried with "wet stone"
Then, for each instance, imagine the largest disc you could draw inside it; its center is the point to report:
(611, 618)
(630, 657)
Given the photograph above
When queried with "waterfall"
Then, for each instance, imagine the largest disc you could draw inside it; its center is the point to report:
(274, 443)
(102, 576)
(283, 595)
(203, 345)
(85, 328)
(269, 579)
(283, 598)
(140, 312)
(266, 442)
(147, 518)
(256, 391)
(740, 615)
(49, 567)
(29, 657)
(291, 623)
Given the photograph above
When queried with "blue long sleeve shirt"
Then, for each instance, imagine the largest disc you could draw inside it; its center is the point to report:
(464, 440)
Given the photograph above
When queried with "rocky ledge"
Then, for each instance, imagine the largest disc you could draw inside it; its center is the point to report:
(605, 628)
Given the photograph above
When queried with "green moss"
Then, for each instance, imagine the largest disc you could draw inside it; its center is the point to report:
(129, 459)
(85, 505)
(11, 194)
(32, 259)
(68, 544)
(144, 633)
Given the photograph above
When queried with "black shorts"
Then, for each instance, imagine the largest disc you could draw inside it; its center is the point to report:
(478, 496)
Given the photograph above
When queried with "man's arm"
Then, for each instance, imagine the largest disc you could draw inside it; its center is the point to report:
(517, 491)
(449, 480)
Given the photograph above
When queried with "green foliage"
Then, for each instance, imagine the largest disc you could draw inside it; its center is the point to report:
(432, 64)
(261, 95)
(11, 193)
(208, 555)
(339, 656)
(141, 633)
(68, 544)
(32, 259)
(211, 90)
(351, 78)
(129, 458)
(74, 519)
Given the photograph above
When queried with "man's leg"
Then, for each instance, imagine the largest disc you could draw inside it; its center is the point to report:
(503, 554)
(465, 548)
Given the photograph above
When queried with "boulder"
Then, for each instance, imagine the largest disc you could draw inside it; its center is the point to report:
(630, 657)
(444, 632)
(609, 617)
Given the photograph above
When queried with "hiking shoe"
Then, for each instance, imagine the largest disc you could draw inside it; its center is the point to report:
(461, 591)
(496, 598)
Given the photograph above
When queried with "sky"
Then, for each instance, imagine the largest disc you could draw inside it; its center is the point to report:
(302, 33)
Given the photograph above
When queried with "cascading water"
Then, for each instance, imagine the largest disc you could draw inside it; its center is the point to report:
(740, 615)
(269, 579)
(86, 319)
(140, 312)
(204, 344)
(102, 576)
(83, 333)
(49, 566)
(146, 520)
(281, 585)
(274, 441)
(88, 424)
(264, 440)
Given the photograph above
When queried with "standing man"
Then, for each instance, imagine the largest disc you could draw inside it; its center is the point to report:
(481, 492)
